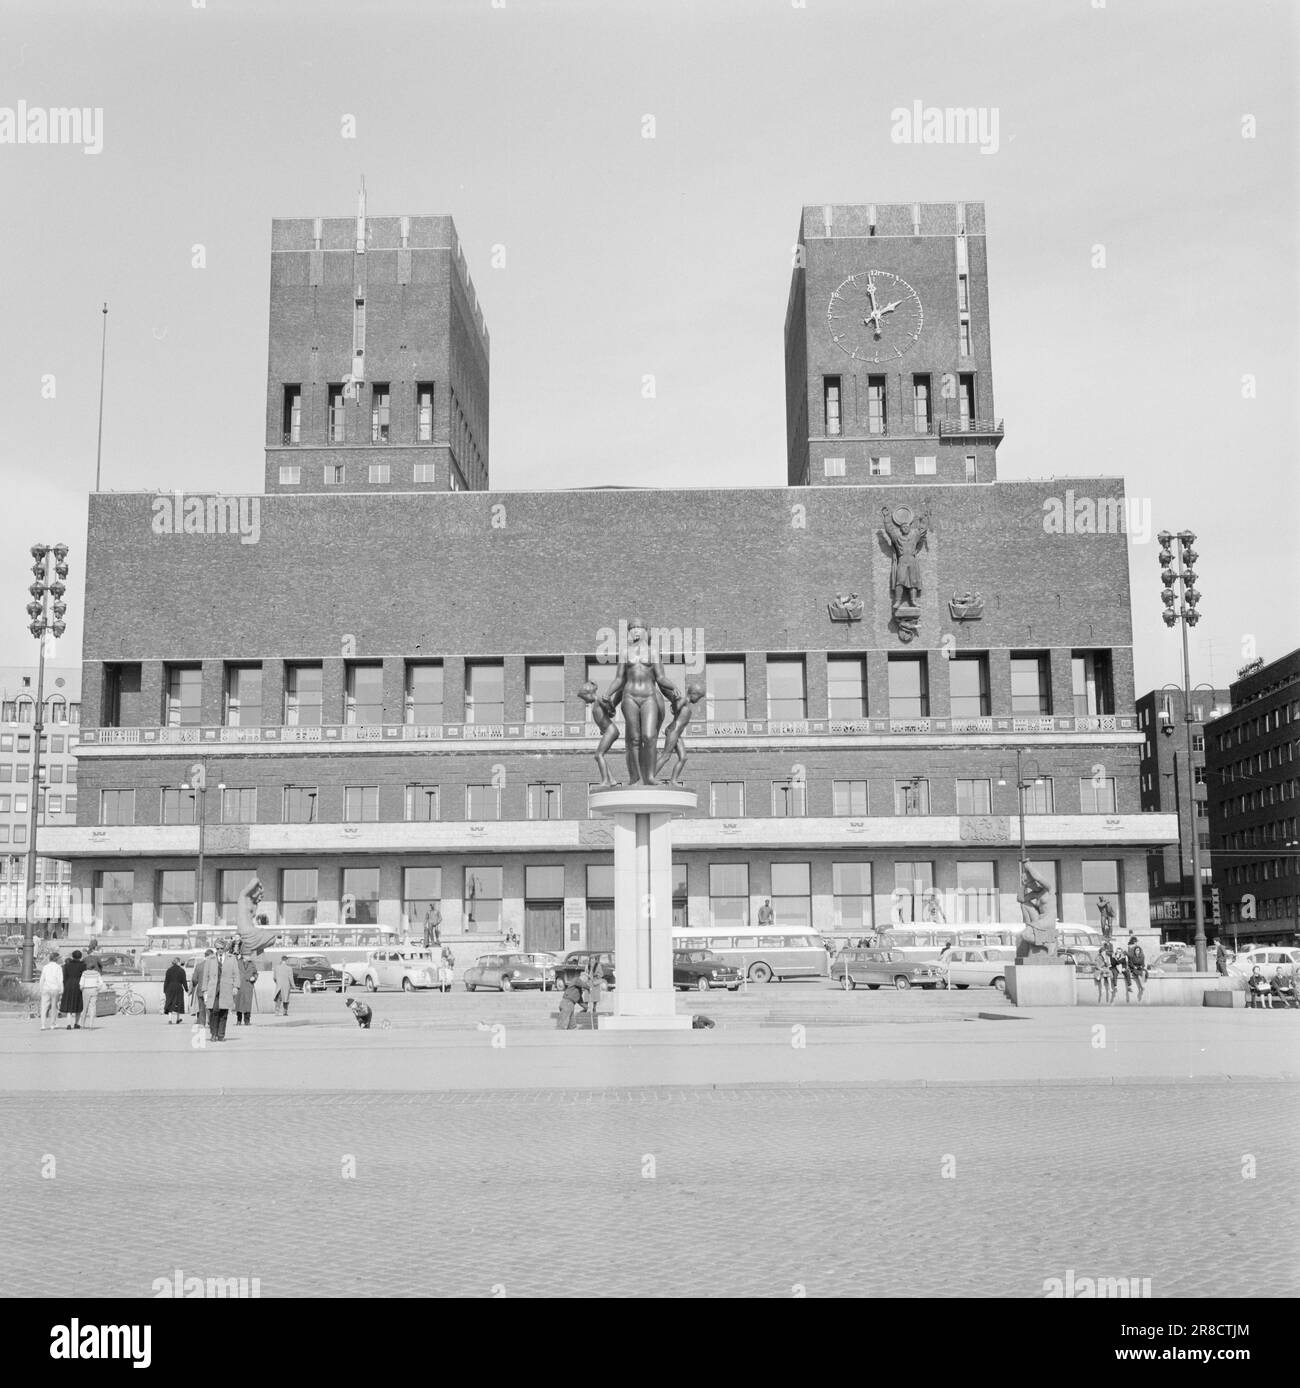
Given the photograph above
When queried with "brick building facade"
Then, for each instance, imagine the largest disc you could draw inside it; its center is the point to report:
(384, 686)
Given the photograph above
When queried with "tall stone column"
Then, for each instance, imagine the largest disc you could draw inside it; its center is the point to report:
(644, 998)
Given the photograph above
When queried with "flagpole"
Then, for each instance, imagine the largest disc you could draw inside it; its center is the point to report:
(103, 348)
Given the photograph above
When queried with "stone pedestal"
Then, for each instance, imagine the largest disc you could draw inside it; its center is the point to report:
(1040, 985)
(644, 998)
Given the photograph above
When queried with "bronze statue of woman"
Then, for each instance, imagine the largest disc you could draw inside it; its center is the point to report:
(639, 688)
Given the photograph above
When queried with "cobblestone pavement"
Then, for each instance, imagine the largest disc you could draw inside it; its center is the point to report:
(667, 1191)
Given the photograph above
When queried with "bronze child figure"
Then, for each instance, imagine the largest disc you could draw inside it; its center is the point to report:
(600, 715)
(683, 708)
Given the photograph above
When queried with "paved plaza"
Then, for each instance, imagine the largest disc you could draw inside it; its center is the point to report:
(886, 1145)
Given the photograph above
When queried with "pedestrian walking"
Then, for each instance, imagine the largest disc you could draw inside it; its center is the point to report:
(220, 989)
(174, 994)
(596, 971)
(432, 926)
(51, 982)
(446, 969)
(245, 994)
(196, 989)
(282, 973)
(1137, 967)
(70, 1002)
(1221, 959)
(574, 992)
(91, 982)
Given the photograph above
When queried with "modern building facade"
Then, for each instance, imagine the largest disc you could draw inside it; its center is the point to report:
(56, 791)
(383, 688)
(1253, 774)
(1166, 784)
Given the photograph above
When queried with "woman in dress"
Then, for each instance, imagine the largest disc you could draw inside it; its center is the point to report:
(70, 1002)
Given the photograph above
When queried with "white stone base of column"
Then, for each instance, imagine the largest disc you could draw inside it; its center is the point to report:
(634, 1023)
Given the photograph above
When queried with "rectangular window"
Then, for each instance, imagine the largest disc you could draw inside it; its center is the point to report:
(544, 691)
(422, 472)
(913, 882)
(364, 703)
(178, 806)
(359, 328)
(290, 474)
(1101, 879)
(424, 412)
(878, 466)
(792, 895)
(543, 883)
(876, 420)
(963, 334)
(927, 466)
(174, 905)
(1031, 683)
(851, 888)
(335, 474)
(298, 896)
(421, 803)
(1090, 675)
(423, 693)
(727, 799)
(849, 797)
(963, 294)
(482, 802)
(6, 773)
(379, 405)
(6, 804)
(787, 697)
(300, 804)
(55, 804)
(230, 882)
(912, 796)
(921, 404)
(421, 889)
(1039, 797)
(977, 893)
(971, 468)
(725, 689)
(485, 692)
(114, 892)
(334, 426)
(973, 797)
(303, 696)
(968, 686)
(379, 472)
(184, 690)
(483, 892)
(243, 701)
(909, 692)
(846, 686)
(239, 805)
(1198, 742)
(361, 805)
(117, 806)
(20, 833)
(729, 894)
(966, 400)
(600, 882)
(789, 798)
(70, 805)
(831, 404)
(1097, 797)
(544, 801)
(360, 900)
(292, 419)
(9, 712)
(832, 467)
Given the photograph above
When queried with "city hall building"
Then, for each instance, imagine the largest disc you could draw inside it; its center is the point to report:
(376, 661)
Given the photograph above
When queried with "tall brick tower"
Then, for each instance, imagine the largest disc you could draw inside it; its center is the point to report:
(888, 365)
(377, 373)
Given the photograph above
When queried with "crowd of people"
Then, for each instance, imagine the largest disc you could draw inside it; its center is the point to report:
(70, 988)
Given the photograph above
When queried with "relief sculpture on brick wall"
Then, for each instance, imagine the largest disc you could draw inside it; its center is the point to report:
(906, 533)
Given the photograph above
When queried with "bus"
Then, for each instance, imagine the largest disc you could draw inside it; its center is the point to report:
(339, 943)
(763, 952)
(927, 941)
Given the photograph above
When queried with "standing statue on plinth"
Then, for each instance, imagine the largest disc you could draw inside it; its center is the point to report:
(683, 708)
(906, 534)
(600, 715)
(639, 689)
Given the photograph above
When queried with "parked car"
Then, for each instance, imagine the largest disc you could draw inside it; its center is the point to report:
(407, 969)
(11, 966)
(315, 973)
(850, 967)
(1269, 958)
(578, 959)
(509, 971)
(960, 968)
(115, 962)
(1171, 961)
(702, 969)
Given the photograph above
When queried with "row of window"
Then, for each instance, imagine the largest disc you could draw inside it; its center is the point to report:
(1270, 908)
(881, 465)
(913, 898)
(544, 800)
(46, 804)
(23, 710)
(336, 474)
(919, 417)
(1259, 799)
(1250, 728)
(14, 869)
(545, 698)
(50, 742)
(1261, 762)
(1280, 831)
(381, 403)
(1269, 870)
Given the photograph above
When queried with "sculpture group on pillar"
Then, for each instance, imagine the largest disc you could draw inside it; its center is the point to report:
(639, 690)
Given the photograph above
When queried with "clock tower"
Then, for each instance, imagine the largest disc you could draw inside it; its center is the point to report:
(887, 358)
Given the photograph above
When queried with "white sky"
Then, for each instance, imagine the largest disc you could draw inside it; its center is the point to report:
(626, 256)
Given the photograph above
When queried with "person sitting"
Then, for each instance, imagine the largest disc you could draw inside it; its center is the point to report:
(1283, 990)
(1258, 992)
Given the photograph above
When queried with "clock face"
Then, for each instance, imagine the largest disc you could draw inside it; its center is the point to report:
(875, 316)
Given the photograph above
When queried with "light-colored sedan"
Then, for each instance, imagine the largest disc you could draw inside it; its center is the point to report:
(1270, 959)
(982, 967)
(407, 969)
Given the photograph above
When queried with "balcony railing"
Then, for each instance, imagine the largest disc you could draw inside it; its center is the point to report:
(971, 428)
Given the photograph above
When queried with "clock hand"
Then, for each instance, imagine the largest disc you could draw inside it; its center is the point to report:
(889, 308)
(871, 294)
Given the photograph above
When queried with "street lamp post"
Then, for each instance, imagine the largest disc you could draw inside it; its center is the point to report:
(197, 786)
(1022, 785)
(1187, 615)
(45, 612)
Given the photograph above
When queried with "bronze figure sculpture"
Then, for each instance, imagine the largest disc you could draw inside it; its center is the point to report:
(906, 534)
(608, 729)
(638, 689)
(683, 708)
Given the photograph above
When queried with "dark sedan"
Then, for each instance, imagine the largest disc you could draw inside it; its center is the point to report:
(702, 969)
(578, 959)
(872, 967)
(315, 973)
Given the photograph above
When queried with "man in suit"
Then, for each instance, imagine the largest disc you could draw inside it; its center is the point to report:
(196, 989)
(221, 976)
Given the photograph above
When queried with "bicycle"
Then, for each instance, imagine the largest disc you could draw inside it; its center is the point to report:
(129, 1002)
